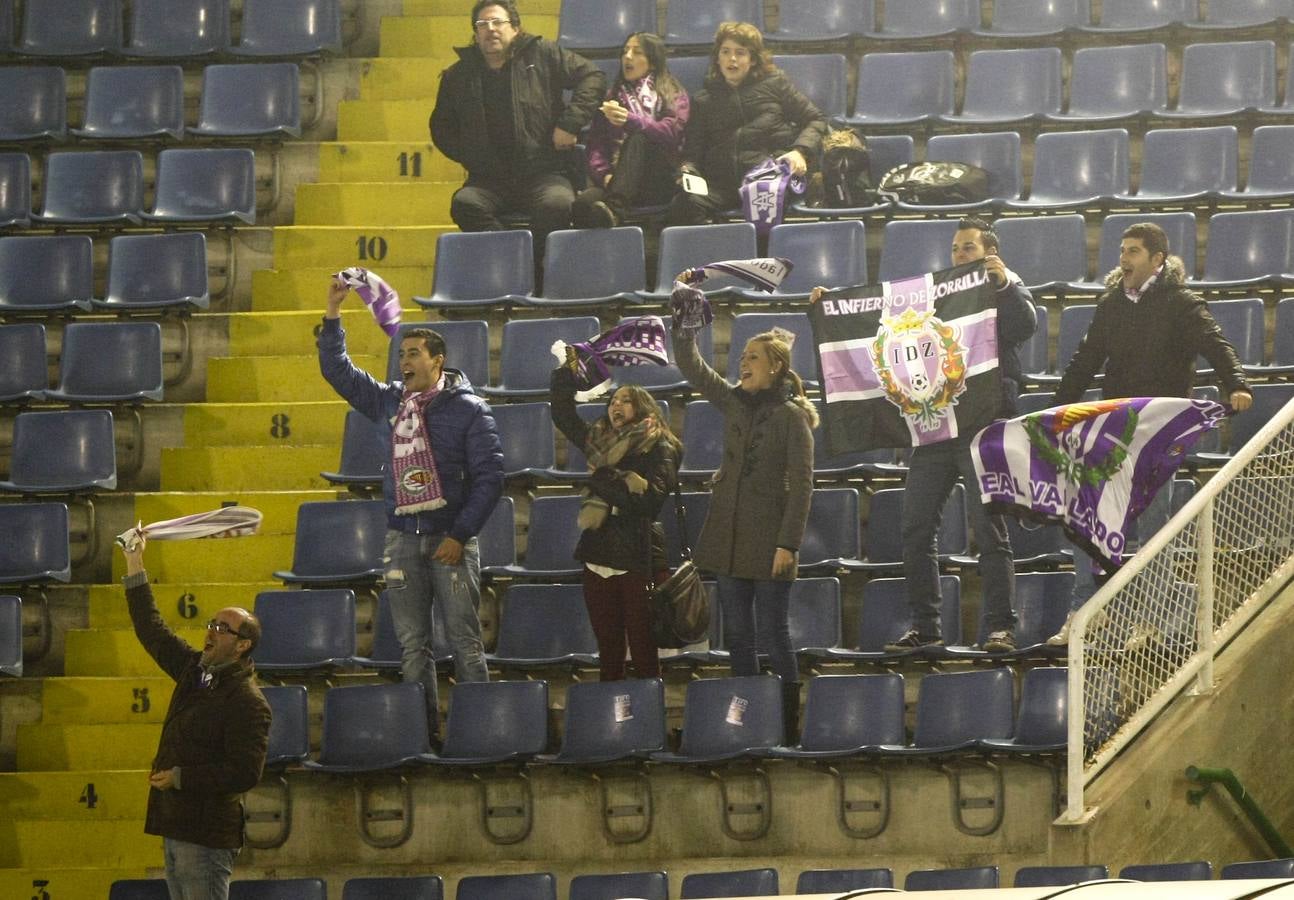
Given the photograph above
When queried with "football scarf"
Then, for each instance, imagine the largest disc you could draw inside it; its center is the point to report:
(635, 342)
(380, 298)
(413, 467)
(764, 190)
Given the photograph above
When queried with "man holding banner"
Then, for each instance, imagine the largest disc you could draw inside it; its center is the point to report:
(927, 362)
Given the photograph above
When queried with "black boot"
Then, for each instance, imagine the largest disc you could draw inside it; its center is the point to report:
(791, 713)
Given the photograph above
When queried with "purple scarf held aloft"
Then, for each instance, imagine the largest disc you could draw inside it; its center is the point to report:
(380, 298)
(763, 193)
(689, 308)
(636, 342)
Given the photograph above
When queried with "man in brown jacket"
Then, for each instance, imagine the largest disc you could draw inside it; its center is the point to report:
(213, 743)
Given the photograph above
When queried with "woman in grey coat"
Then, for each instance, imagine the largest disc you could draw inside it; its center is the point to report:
(759, 501)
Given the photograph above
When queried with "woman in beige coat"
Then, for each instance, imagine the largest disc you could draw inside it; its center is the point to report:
(759, 501)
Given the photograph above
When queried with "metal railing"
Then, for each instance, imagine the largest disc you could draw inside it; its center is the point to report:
(1153, 630)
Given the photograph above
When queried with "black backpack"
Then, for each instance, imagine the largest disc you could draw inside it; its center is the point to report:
(846, 171)
(935, 183)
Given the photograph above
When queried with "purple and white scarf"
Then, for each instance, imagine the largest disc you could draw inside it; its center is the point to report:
(1092, 467)
(413, 467)
(763, 193)
(380, 298)
(689, 308)
(228, 521)
(635, 342)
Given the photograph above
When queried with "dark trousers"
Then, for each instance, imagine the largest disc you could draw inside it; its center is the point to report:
(695, 209)
(618, 607)
(643, 176)
(545, 199)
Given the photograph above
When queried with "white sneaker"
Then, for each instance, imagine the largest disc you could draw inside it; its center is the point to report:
(1061, 638)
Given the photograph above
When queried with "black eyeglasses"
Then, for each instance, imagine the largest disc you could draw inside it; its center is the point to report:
(223, 628)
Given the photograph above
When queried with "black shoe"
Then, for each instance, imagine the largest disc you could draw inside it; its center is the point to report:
(913, 640)
(602, 216)
(1000, 642)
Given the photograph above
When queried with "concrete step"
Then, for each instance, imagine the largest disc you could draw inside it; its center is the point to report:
(437, 35)
(455, 8)
(292, 290)
(244, 379)
(403, 121)
(104, 701)
(264, 424)
(294, 468)
(293, 332)
(396, 161)
(84, 795)
(302, 246)
(56, 748)
(403, 78)
(376, 203)
(49, 883)
(117, 653)
(180, 605)
(114, 844)
(253, 558)
(279, 508)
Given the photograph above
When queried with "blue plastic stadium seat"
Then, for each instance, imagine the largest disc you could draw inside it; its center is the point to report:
(914, 247)
(139, 889)
(1247, 249)
(641, 885)
(832, 254)
(696, 506)
(996, 152)
(6, 27)
(532, 886)
(886, 616)
(279, 889)
(305, 631)
(1282, 362)
(385, 652)
(957, 711)
(837, 22)
(845, 714)
(909, 88)
(882, 541)
(923, 19)
(803, 356)
(1200, 870)
(526, 359)
(1130, 17)
(205, 185)
(690, 71)
(467, 342)
(252, 100)
(336, 542)
(592, 267)
(1041, 724)
(289, 725)
(551, 539)
(526, 433)
(11, 636)
(1241, 321)
(289, 28)
(1005, 87)
(702, 440)
(743, 883)
(24, 372)
(1077, 169)
(684, 246)
(1187, 165)
(1268, 400)
(498, 539)
(1034, 546)
(603, 24)
(46, 273)
(1224, 80)
(44, 114)
(62, 451)
(1235, 15)
(544, 625)
(178, 29)
(728, 718)
(965, 879)
(831, 535)
(364, 454)
(70, 28)
(95, 187)
(44, 554)
(157, 271)
(15, 190)
(133, 102)
(491, 722)
(692, 23)
(1111, 84)
(413, 887)
(1074, 321)
(1271, 165)
(369, 727)
(1263, 868)
(110, 362)
(842, 881)
(607, 722)
(821, 77)
(1047, 252)
(1058, 876)
(1028, 19)
(492, 269)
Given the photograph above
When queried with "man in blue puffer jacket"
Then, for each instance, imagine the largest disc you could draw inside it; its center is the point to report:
(443, 480)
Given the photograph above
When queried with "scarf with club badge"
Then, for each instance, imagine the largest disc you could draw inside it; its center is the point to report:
(413, 467)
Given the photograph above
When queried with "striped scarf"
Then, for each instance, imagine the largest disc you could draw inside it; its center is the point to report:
(413, 467)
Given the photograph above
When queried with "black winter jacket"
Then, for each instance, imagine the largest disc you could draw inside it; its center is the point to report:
(218, 736)
(733, 129)
(1016, 322)
(540, 71)
(1148, 348)
(619, 542)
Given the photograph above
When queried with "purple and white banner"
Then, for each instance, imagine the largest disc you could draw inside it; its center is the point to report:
(1092, 467)
(908, 362)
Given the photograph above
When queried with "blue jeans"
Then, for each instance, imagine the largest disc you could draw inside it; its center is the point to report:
(195, 872)
(932, 473)
(757, 608)
(414, 582)
(1152, 518)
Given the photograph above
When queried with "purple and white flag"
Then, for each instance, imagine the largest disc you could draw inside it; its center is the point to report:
(764, 190)
(228, 521)
(380, 298)
(1091, 467)
(908, 362)
(688, 305)
(635, 342)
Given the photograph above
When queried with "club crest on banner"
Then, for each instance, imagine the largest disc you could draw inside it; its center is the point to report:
(921, 364)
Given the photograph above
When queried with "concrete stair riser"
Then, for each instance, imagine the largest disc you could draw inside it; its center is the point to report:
(84, 795)
(105, 701)
(181, 605)
(279, 508)
(117, 653)
(244, 379)
(111, 844)
(50, 883)
(249, 468)
(47, 748)
(253, 558)
(378, 204)
(400, 162)
(277, 291)
(437, 35)
(300, 246)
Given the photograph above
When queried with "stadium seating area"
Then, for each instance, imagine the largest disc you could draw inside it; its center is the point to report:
(130, 391)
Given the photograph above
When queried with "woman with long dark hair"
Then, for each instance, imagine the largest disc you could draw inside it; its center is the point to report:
(634, 142)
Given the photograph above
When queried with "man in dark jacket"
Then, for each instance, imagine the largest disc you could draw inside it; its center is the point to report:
(1146, 332)
(500, 114)
(213, 743)
(443, 479)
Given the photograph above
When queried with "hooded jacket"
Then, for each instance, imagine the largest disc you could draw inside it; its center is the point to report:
(1148, 348)
(464, 440)
(540, 71)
